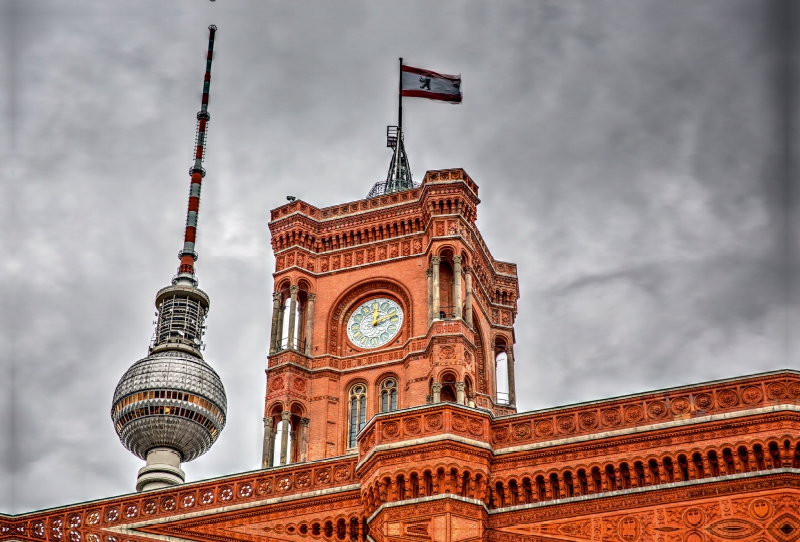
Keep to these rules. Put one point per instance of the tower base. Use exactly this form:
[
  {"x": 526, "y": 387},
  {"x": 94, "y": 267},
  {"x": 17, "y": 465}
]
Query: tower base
[{"x": 163, "y": 469}]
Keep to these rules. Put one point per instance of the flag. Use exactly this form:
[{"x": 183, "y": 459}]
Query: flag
[{"x": 419, "y": 83}]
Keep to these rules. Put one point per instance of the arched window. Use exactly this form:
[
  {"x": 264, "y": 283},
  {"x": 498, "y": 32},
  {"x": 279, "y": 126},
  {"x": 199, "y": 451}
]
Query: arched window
[
  {"x": 501, "y": 372},
  {"x": 389, "y": 395},
  {"x": 358, "y": 412}
]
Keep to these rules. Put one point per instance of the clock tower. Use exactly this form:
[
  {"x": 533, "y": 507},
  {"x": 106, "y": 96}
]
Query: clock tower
[{"x": 385, "y": 303}]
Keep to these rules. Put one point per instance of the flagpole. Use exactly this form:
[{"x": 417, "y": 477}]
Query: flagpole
[{"x": 400, "y": 101}]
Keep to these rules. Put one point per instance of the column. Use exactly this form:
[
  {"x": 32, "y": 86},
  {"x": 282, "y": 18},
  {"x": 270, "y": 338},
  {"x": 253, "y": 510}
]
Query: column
[
  {"x": 481, "y": 490},
  {"x": 468, "y": 302},
  {"x": 269, "y": 441},
  {"x": 304, "y": 439},
  {"x": 618, "y": 478},
  {"x": 787, "y": 455},
  {"x": 460, "y": 387},
  {"x": 300, "y": 328},
  {"x": 691, "y": 468},
  {"x": 737, "y": 461},
  {"x": 285, "y": 428},
  {"x": 604, "y": 482},
  {"x": 435, "y": 261},
  {"x": 707, "y": 470},
  {"x": 429, "y": 275},
  {"x": 767, "y": 457},
  {"x": 723, "y": 465},
  {"x": 662, "y": 472},
  {"x": 677, "y": 473},
  {"x": 437, "y": 392},
  {"x": 457, "y": 286},
  {"x": 471, "y": 399},
  {"x": 576, "y": 486},
  {"x": 293, "y": 445},
  {"x": 309, "y": 322},
  {"x": 512, "y": 393},
  {"x": 279, "y": 331},
  {"x": 590, "y": 485},
  {"x": 292, "y": 315},
  {"x": 276, "y": 306},
  {"x": 751, "y": 459}
]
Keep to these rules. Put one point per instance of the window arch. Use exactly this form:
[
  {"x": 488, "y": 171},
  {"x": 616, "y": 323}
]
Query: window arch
[
  {"x": 358, "y": 412},
  {"x": 389, "y": 395}
]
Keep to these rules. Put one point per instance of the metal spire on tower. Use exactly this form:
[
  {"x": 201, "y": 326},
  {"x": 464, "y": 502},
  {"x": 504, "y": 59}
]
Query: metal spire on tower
[
  {"x": 188, "y": 255},
  {"x": 399, "y": 176}
]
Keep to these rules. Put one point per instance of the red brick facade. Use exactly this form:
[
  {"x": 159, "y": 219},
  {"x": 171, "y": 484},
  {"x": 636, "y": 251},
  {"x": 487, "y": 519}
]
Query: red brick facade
[
  {"x": 332, "y": 260},
  {"x": 710, "y": 462}
]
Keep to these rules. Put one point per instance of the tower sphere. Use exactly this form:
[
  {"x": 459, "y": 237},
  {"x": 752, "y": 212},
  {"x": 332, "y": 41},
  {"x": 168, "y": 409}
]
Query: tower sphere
[{"x": 169, "y": 399}]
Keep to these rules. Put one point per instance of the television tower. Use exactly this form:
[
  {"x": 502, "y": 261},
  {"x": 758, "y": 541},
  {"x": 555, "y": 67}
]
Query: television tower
[{"x": 170, "y": 406}]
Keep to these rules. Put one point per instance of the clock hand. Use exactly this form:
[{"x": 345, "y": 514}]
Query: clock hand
[
  {"x": 382, "y": 319},
  {"x": 375, "y": 317}
]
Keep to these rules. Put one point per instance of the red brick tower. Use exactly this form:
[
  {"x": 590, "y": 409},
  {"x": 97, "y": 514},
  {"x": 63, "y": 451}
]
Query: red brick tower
[{"x": 382, "y": 304}]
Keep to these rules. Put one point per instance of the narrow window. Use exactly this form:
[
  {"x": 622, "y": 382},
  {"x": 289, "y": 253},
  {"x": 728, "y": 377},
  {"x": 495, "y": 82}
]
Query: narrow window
[
  {"x": 389, "y": 395},
  {"x": 358, "y": 411}
]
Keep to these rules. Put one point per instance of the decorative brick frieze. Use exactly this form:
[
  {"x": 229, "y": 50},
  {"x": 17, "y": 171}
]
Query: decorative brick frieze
[{"x": 645, "y": 409}]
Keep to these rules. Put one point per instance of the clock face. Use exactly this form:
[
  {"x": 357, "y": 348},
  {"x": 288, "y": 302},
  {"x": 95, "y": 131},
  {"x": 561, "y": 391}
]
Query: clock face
[{"x": 375, "y": 323}]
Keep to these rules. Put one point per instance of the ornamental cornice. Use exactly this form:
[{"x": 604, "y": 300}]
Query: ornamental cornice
[
  {"x": 674, "y": 428},
  {"x": 348, "y": 258},
  {"x": 430, "y": 453},
  {"x": 92, "y": 521},
  {"x": 645, "y": 446},
  {"x": 246, "y": 511},
  {"x": 347, "y": 211},
  {"x": 648, "y": 411},
  {"x": 442, "y": 176}
]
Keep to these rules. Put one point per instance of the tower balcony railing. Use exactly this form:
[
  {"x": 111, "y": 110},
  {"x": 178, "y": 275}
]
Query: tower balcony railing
[
  {"x": 297, "y": 344},
  {"x": 447, "y": 312}
]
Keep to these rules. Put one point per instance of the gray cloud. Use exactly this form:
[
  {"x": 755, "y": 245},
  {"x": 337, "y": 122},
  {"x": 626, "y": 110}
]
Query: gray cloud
[{"x": 632, "y": 158}]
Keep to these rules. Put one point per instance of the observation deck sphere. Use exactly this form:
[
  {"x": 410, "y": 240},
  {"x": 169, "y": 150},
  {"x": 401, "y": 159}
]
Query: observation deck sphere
[{"x": 169, "y": 399}]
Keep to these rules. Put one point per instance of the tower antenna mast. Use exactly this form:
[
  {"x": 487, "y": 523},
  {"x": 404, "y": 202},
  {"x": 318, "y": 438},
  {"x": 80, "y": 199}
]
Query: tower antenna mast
[{"x": 188, "y": 255}]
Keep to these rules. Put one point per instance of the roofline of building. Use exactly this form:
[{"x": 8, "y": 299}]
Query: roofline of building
[{"x": 659, "y": 391}]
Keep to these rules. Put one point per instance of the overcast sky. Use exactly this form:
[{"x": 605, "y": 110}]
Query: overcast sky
[{"x": 632, "y": 158}]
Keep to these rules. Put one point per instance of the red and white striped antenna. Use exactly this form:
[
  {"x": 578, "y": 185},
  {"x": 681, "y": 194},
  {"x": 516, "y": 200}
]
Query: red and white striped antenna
[{"x": 188, "y": 255}]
